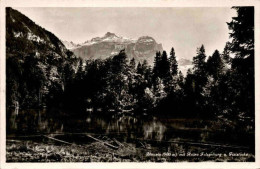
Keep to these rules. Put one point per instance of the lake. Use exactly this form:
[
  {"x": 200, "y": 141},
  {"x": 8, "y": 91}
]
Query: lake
[{"x": 126, "y": 127}]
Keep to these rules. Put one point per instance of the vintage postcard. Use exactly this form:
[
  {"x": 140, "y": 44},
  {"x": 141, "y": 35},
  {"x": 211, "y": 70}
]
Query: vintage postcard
[{"x": 153, "y": 84}]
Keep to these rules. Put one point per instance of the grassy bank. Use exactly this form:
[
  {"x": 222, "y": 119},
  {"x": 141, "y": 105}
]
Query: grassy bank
[{"x": 29, "y": 151}]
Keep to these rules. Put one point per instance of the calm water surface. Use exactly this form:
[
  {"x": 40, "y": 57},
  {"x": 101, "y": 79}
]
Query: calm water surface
[{"x": 126, "y": 127}]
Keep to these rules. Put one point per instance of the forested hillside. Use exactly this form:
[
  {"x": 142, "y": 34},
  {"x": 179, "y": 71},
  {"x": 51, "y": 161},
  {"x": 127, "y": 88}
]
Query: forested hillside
[{"x": 36, "y": 62}]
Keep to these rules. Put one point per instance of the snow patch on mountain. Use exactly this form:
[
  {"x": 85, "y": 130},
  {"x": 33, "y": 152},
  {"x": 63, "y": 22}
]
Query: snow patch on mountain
[
  {"x": 70, "y": 45},
  {"x": 146, "y": 39},
  {"x": 108, "y": 37}
]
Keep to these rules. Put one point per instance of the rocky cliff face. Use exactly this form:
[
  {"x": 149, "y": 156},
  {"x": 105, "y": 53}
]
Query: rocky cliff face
[{"x": 110, "y": 44}]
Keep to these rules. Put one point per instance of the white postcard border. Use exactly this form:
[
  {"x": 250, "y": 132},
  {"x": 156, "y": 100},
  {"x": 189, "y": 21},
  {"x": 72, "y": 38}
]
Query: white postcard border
[{"x": 128, "y": 3}]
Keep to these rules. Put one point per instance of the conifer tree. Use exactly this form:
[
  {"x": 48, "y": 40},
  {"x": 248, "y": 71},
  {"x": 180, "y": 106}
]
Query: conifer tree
[
  {"x": 119, "y": 62},
  {"x": 132, "y": 64},
  {"x": 164, "y": 68},
  {"x": 199, "y": 61},
  {"x": 157, "y": 61},
  {"x": 180, "y": 79},
  {"x": 215, "y": 65},
  {"x": 199, "y": 69},
  {"x": 242, "y": 68},
  {"x": 242, "y": 32},
  {"x": 145, "y": 65},
  {"x": 226, "y": 54},
  {"x": 173, "y": 63},
  {"x": 198, "y": 80},
  {"x": 139, "y": 68}
]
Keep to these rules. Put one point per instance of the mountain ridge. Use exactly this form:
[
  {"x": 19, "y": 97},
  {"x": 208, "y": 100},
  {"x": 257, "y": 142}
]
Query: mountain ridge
[
  {"x": 143, "y": 48},
  {"x": 25, "y": 35},
  {"x": 112, "y": 38},
  {"x": 35, "y": 57}
]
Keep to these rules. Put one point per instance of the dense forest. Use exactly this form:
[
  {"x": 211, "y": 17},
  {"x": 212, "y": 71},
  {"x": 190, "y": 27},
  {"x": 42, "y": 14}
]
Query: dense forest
[{"x": 220, "y": 86}]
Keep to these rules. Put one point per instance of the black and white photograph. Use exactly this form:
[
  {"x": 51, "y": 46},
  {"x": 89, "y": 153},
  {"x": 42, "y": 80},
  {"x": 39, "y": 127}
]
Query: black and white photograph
[{"x": 129, "y": 84}]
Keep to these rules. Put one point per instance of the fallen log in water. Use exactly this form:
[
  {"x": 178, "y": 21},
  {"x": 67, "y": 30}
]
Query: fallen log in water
[
  {"x": 15, "y": 141},
  {"x": 58, "y": 140},
  {"x": 142, "y": 144},
  {"x": 117, "y": 142},
  {"x": 105, "y": 143}
]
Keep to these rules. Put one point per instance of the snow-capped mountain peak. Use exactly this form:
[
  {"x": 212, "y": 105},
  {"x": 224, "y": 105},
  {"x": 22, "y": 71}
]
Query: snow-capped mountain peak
[
  {"x": 70, "y": 45},
  {"x": 143, "y": 48},
  {"x": 108, "y": 38}
]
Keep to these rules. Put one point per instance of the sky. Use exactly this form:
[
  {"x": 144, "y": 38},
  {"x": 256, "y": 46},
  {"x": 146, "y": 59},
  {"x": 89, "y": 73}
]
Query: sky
[{"x": 185, "y": 29}]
